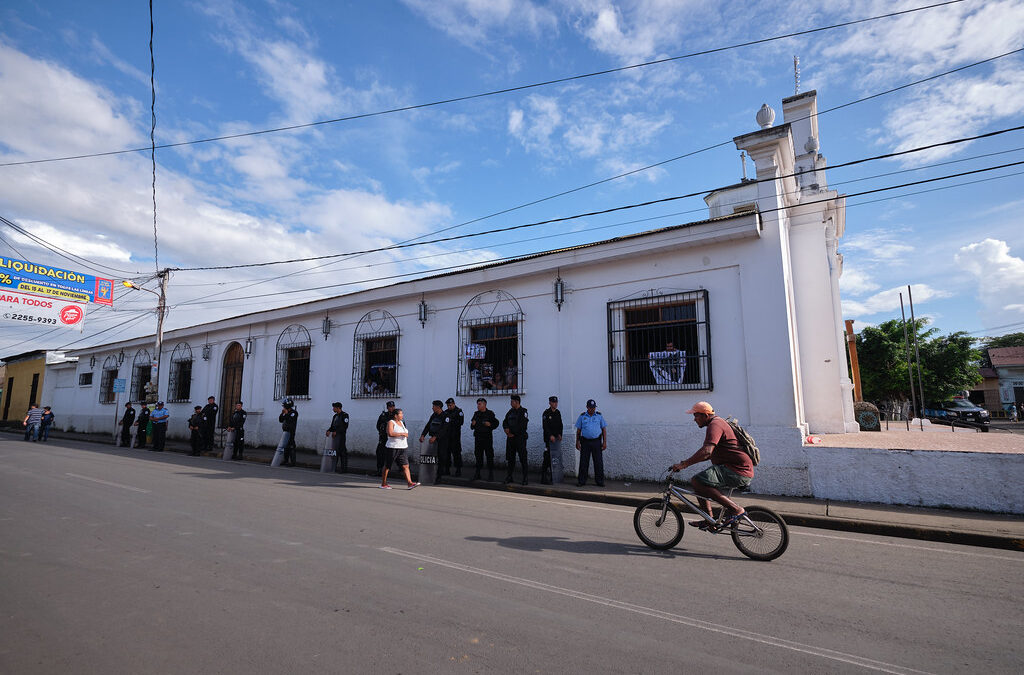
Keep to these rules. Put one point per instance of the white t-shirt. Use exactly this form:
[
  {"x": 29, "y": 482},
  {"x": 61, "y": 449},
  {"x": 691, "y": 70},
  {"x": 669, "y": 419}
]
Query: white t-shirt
[{"x": 398, "y": 441}]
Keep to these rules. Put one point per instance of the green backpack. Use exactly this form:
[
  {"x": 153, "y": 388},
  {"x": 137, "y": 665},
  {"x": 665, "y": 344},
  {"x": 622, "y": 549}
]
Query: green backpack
[{"x": 745, "y": 440}]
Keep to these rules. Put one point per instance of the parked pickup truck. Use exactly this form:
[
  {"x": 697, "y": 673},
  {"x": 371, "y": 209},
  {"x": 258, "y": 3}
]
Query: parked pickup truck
[{"x": 958, "y": 411}]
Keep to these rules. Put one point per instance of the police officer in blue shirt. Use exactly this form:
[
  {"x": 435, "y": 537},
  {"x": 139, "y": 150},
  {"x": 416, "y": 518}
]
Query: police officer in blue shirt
[
  {"x": 591, "y": 441},
  {"x": 159, "y": 417}
]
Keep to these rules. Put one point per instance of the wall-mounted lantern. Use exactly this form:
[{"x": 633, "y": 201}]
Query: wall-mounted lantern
[
  {"x": 423, "y": 313},
  {"x": 207, "y": 348},
  {"x": 92, "y": 361},
  {"x": 326, "y": 327},
  {"x": 248, "y": 347},
  {"x": 559, "y": 292},
  {"x": 120, "y": 357}
]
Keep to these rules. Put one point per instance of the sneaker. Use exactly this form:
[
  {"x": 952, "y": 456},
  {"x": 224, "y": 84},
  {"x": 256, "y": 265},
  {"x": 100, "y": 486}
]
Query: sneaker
[
  {"x": 385, "y": 487},
  {"x": 700, "y": 524},
  {"x": 414, "y": 485}
]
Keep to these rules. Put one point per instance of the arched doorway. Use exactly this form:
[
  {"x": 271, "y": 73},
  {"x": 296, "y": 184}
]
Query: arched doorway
[{"x": 231, "y": 382}]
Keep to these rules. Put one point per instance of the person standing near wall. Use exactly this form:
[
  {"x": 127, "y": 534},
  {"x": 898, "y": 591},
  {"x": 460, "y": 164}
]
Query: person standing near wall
[
  {"x": 551, "y": 421},
  {"x": 236, "y": 425},
  {"x": 337, "y": 432},
  {"x": 45, "y": 422},
  {"x": 195, "y": 430},
  {"x": 437, "y": 429},
  {"x": 515, "y": 424},
  {"x": 127, "y": 420},
  {"x": 210, "y": 411},
  {"x": 160, "y": 416},
  {"x": 141, "y": 423},
  {"x": 382, "y": 434},
  {"x": 483, "y": 425},
  {"x": 31, "y": 422},
  {"x": 591, "y": 441},
  {"x": 457, "y": 419},
  {"x": 289, "y": 419}
]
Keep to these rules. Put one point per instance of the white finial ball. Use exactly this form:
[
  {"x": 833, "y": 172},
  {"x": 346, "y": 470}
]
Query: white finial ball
[
  {"x": 765, "y": 116},
  {"x": 811, "y": 145}
]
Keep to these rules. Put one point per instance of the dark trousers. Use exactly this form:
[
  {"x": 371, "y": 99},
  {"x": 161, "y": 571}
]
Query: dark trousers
[
  {"x": 236, "y": 452},
  {"x": 196, "y": 441},
  {"x": 126, "y": 436},
  {"x": 289, "y": 452},
  {"x": 207, "y": 433},
  {"x": 591, "y": 447},
  {"x": 515, "y": 446},
  {"x": 484, "y": 447},
  {"x": 454, "y": 452},
  {"x": 444, "y": 456},
  {"x": 140, "y": 436},
  {"x": 159, "y": 434},
  {"x": 382, "y": 455},
  {"x": 341, "y": 452}
]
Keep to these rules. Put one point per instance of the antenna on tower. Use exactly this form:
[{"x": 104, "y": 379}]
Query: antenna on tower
[{"x": 796, "y": 75}]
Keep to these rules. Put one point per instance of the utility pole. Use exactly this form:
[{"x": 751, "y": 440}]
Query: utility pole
[
  {"x": 851, "y": 341},
  {"x": 153, "y": 388}
]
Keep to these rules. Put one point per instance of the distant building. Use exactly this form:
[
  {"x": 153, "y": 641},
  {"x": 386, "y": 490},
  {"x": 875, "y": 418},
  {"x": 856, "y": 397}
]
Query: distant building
[
  {"x": 24, "y": 379},
  {"x": 1008, "y": 362}
]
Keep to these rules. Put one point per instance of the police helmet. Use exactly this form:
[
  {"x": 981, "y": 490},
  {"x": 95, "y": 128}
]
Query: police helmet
[{"x": 287, "y": 403}]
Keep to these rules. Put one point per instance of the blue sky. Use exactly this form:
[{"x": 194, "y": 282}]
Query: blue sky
[{"x": 74, "y": 79}]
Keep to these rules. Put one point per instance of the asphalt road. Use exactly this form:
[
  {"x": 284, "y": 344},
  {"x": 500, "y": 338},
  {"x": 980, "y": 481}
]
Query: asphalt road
[{"x": 130, "y": 561}]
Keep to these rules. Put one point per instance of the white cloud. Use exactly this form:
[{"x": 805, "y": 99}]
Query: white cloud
[
  {"x": 999, "y": 276},
  {"x": 534, "y": 126},
  {"x": 638, "y": 29},
  {"x": 477, "y": 23},
  {"x": 857, "y": 282},
  {"x": 889, "y": 300},
  {"x": 885, "y": 246}
]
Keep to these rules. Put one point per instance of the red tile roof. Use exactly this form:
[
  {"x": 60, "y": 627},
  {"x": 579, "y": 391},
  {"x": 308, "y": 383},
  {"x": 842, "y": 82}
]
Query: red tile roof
[{"x": 1006, "y": 356}]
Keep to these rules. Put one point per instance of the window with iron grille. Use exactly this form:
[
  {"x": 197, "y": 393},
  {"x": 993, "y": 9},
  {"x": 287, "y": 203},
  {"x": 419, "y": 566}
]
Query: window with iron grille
[
  {"x": 179, "y": 377},
  {"x": 375, "y": 356},
  {"x": 491, "y": 345},
  {"x": 659, "y": 342},
  {"x": 142, "y": 368},
  {"x": 109, "y": 374},
  {"x": 85, "y": 379},
  {"x": 291, "y": 374}
]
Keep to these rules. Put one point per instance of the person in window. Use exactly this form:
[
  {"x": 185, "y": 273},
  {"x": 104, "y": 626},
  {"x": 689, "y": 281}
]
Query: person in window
[
  {"x": 483, "y": 425},
  {"x": 511, "y": 375},
  {"x": 141, "y": 423},
  {"x": 126, "y": 425},
  {"x": 369, "y": 386},
  {"x": 515, "y": 424},
  {"x": 475, "y": 382},
  {"x": 397, "y": 447},
  {"x": 45, "y": 422},
  {"x": 498, "y": 381},
  {"x": 668, "y": 366}
]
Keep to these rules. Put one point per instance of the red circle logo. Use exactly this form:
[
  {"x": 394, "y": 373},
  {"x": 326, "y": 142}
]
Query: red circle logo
[{"x": 71, "y": 315}]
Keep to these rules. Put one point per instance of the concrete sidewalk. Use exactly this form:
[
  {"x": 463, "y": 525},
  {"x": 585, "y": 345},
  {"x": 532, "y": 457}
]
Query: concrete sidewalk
[{"x": 973, "y": 528}]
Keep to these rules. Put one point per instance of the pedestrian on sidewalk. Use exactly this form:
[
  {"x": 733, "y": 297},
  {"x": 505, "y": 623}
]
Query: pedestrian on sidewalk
[
  {"x": 457, "y": 419},
  {"x": 127, "y": 420},
  {"x": 396, "y": 449},
  {"x": 45, "y": 422},
  {"x": 551, "y": 421},
  {"x": 337, "y": 432},
  {"x": 160, "y": 416},
  {"x": 31, "y": 422},
  {"x": 236, "y": 426},
  {"x": 382, "y": 434},
  {"x": 483, "y": 425},
  {"x": 515, "y": 426},
  {"x": 141, "y": 423},
  {"x": 210, "y": 411},
  {"x": 591, "y": 441},
  {"x": 195, "y": 429},
  {"x": 289, "y": 419}
]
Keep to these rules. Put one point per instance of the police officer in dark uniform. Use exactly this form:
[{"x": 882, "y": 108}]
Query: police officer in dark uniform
[
  {"x": 126, "y": 425},
  {"x": 237, "y": 424},
  {"x": 437, "y": 427},
  {"x": 142, "y": 422},
  {"x": 382, "y": 435},
  {"x": 551, "y": 421},
  {"x": 338, "y": 432},
  {"x": 195, "y": 426},
  {"x": 483, "y": 425},
  {"x": 458, "y": 418},
  {"x": 289, "y": 419},
  {"x": 210, "y": 412},
  {"x": 516, "y": 420}
]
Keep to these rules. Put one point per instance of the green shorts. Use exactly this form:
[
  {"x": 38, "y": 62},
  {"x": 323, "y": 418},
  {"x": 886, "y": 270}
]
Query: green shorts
[{"x": 721, "y": 476}]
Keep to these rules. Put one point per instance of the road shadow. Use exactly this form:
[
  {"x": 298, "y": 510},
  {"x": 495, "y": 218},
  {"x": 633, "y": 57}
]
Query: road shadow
[{"x": 539, "y": 544}]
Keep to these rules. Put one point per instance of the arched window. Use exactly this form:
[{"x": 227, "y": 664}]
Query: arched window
[
  {"x": 142, "y": 367},
  {"x": 375, "y": 356},
  {"x": 179, "y": 379},
  {"x": 107, "y": 393},
  {"x": 491, "y": 345},
  {"x": 291, "y": 373}
]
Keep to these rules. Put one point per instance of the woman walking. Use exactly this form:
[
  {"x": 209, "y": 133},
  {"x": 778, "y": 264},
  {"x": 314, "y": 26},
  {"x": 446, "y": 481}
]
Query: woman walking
[{"x": 395, "y": 449}]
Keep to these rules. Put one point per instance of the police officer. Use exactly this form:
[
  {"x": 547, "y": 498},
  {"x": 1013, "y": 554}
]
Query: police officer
[
  {"x": 195, "y": 426},
  {"x": 126, "y": 426},
  {"x": 382, "y": 435},
  {"x": 437, "y": 427},
  {"x": 160, "y": 417},
  {"x": 591, "y": 441},
  {"x": 236, "y": 425},
  {"x": 210, "y": 413},
  {"x": 516, "y": 420},
  {"x": 338, "y": 432},
  {"x": 289, "y": 419},
  {"x": 483, "y": 425},
  {"x": 458, "y": 418},
  {"x": 551, "y": 421},
  {"x": 141, "y": 423}
]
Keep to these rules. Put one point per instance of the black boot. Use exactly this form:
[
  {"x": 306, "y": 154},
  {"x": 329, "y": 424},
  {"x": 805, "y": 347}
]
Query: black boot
[
  {"x": 476, "y": 476},
  {"x": 490, "y": 475},
  {"x": 508, "y": 479},
  {"x": 458, "y": 472}
]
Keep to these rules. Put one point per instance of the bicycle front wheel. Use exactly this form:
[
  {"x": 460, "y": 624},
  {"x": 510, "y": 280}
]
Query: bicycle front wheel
[
  {"x": 764, "y": 537},
  {"x": 658, "y": 524}
]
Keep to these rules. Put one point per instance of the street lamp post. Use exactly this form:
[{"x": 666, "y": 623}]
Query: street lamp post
[{"x": 161, "y": 310}]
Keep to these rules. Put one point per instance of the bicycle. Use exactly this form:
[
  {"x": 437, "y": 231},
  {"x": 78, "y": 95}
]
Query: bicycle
[{"x": 760, "y": 533}]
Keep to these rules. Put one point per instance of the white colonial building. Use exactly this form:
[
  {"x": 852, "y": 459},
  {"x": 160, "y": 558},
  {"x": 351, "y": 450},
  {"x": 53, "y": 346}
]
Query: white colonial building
[{"x": 741, "y": 309}]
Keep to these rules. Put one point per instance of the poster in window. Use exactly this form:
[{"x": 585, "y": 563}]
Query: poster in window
[
  {"x": 476, "y": 351},
  {"x": 667, "y": 367}
]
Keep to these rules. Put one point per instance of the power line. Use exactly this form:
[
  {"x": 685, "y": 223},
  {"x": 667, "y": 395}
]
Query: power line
[
  {"x": 63, "y": 253},
  {"x": 590, "y": 213},
  {"x": 152, "y": 134},
  {"x": 496, "y": 92}
]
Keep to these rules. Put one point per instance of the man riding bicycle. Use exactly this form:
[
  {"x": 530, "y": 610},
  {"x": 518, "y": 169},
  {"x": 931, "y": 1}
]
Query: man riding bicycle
[{"x": 731, "y": 467}]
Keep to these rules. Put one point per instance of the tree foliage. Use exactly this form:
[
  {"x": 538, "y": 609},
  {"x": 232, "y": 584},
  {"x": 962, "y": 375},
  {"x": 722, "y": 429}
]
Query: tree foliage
[
  {"x": 949, "y": 363},
  {"x": 1008, "y": 340}
]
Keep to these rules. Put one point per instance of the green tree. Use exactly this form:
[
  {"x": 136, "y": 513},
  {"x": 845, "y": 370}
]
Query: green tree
[{"x": 949, "y": 363}]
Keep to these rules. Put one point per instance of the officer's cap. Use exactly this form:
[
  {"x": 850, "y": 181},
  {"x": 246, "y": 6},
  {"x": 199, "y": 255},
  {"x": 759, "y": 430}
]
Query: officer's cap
[
  {"x": 159, "y": 402},
  {"x": 437, "y": 402},
  {"x": 450, "y": 400},
  {"x": 336, "y": 404},
  {"x": 553, "y": 399},
  {"x": 199, "y": 407},
  {"x": 128, "y": 404},
  {"x": 481, "y": 400},
  {"x": 390, "y": 404},
  {"x": 210, "y": 398},
  {"x": 238, "y": 403},
  {"x": 591, "y": 403},
  {"x": 515, "y": 397}
]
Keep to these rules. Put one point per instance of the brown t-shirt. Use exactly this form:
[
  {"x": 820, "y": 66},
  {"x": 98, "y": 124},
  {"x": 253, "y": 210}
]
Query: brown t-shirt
[{"x": 727, "y": 449}]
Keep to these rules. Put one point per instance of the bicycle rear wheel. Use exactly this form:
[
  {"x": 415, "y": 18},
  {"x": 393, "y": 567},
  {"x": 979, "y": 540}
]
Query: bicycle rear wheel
[
  {"x": 766, "y": 539},
  {"x": 658, "y": 525}
]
